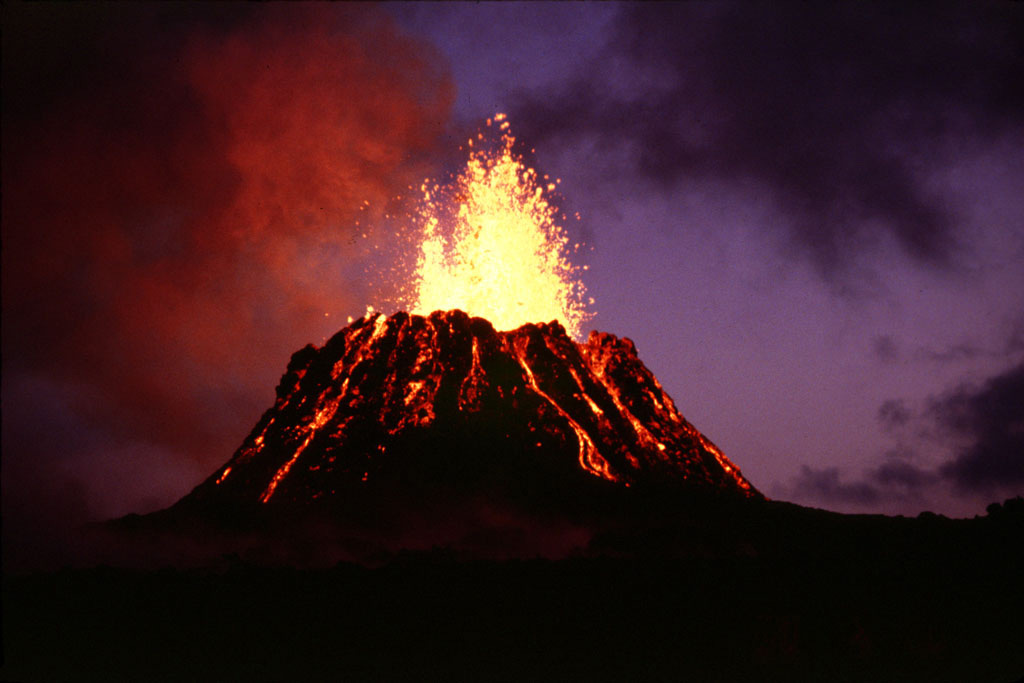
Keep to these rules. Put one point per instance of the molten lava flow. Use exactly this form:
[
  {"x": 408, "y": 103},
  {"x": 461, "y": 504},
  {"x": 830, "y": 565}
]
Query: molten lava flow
[
  {"x": 590, "y": 458},
  {"x": 502, "y": 255},
  {"x": 323, "y": 415},
  {"x": 387, "y": 393},
  {"x": 726, "y": 464}
]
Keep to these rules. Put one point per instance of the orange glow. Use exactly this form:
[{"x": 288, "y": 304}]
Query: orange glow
[
  {"x": 411, "y": 372},
  {"x": 726, "y": 464},
  {"x": 590, "y": 458},
  {"x": 500, "y": 254},
  {"x": 323, "y": 415},
  {"x": 469, "y": 390},
  {"x": 643, "y": 434}
]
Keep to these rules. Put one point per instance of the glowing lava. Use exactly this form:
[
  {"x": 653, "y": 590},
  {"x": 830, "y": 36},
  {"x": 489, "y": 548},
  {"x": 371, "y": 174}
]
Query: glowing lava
[
  {"x": 500, "y": 255},
  {"x": 487, "y": 375},
  {"x": 461, "y": 404}
]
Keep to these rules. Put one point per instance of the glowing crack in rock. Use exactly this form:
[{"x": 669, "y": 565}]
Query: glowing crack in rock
[
  {"x": 501, "y": 254},
  {"x": 470, "y": 387},
  {"x": 322, "y": 417},
  {"x": 726, "y": 464},
  {"x": 384, "y": 393},
  {"x": 589, "y": 457}
]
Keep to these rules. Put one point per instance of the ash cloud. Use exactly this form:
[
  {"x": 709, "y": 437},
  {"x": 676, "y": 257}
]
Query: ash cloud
[
  {"x": 980, "y": 429},
  {"x": 898, "y": 478},
  {"x": 988, "y": 422},
  {"x": 181, "y": 185},
  {"x": 901, "y": 473},
  {"x": 824, "y": 485},
  {"x": 834, "y": 111},
  {"x": 894, "y": 413}
]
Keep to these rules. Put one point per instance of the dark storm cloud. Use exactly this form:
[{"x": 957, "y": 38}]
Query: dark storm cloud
[
  {"x": 894, "y": 413},
  {"x": 180, "y": 185},
  {"x": 985, "y": 426},
  {"x": 901, "y": 473},
  {"x": 824, "y": 485},
  {"x": 835, "y": 112},
  {"x": 989, "y": 422},
  {"x": 897, "y": 478}
]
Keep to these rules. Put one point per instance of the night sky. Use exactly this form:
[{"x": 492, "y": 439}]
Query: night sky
[{"x": 809, "y": 218}]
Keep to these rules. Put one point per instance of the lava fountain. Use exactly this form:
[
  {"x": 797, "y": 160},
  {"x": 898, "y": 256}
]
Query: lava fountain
[{"x": 491, "y": 244}]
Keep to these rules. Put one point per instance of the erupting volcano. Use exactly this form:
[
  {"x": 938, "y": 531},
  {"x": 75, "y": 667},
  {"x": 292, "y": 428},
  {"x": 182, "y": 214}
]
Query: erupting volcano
[{"x": 480, "y": 394}]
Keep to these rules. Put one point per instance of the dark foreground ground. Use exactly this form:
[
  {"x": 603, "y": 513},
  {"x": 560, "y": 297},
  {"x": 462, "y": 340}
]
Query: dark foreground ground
[{"x": 825, "y": 599}]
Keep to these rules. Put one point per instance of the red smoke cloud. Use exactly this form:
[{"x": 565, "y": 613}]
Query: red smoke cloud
[{"x": 180, "y": 193}]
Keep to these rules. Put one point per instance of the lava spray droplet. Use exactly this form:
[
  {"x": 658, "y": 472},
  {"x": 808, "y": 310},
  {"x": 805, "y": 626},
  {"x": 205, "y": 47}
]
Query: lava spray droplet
[{"x": 491, "y": 245}]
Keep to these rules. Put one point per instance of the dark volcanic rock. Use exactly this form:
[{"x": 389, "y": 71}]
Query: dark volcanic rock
[{"x": 446, "y": 401}]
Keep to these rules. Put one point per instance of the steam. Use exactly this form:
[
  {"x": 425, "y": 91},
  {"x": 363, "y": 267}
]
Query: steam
[{"x": 180, "y": 186}]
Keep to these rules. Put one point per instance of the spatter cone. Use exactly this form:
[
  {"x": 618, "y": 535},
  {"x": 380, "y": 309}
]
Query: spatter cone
[{"x": 445, "y": 400}]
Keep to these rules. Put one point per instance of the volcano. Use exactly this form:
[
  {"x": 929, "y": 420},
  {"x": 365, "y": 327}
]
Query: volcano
[
  {"x": 430, "y": 498},
  {"x": 438, "y": 417},
  {"x": 446, "y": 401}
]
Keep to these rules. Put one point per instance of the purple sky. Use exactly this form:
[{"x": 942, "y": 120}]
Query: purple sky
[{"x": 808, "y": 218}]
